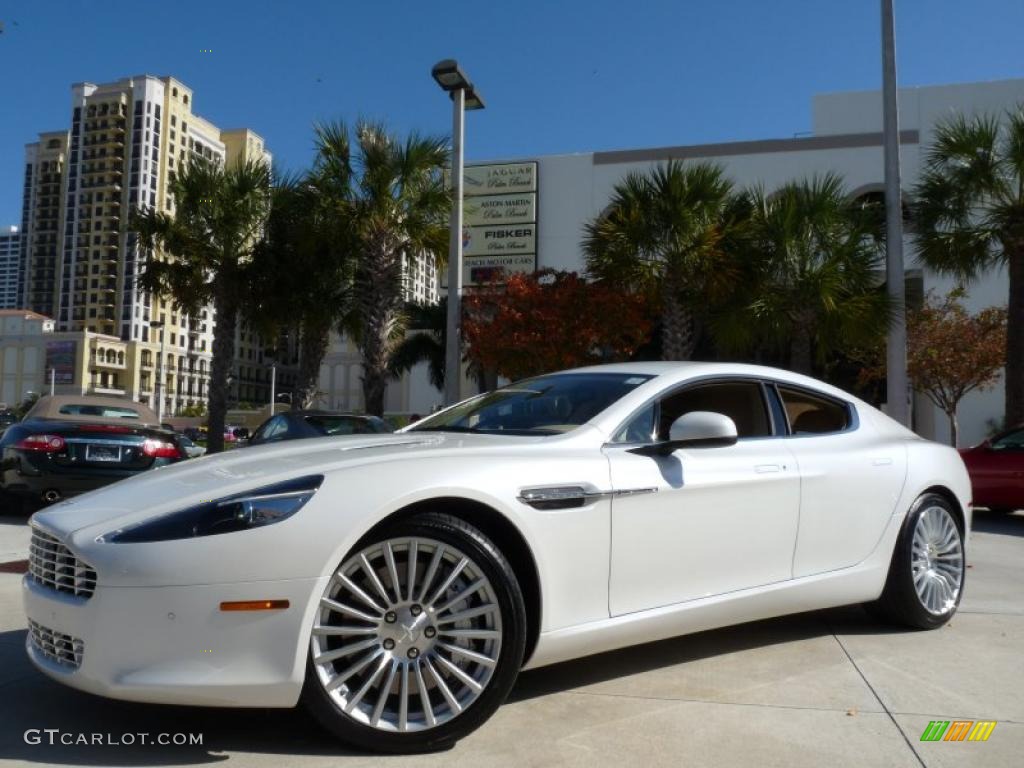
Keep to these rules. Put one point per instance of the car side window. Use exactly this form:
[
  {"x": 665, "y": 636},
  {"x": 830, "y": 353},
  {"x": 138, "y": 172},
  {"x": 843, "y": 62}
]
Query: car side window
[
  {"x": 276, "y": 429},
  {"x": 741, "y": 401},
  {"x": 1012, "y": 441},
  {"x": 813, "y": 415}
]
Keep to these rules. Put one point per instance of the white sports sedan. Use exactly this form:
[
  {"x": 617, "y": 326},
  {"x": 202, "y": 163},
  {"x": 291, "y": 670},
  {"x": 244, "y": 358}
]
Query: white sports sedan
[{"x": 397, "y": 583}]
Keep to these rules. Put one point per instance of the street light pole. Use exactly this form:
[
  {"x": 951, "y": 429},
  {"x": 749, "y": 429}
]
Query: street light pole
[
  {"x": 464, "y": 96},
  {"x": 158, "y": 389},
  {"x": 453, "y": 349},
  {"x": 273, "y": 384},
  {"x": 896, "y": 347}
]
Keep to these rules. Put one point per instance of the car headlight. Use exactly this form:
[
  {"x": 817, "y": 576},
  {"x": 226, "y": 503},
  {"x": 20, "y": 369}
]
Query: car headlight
[{"x": 238, "y": 512}]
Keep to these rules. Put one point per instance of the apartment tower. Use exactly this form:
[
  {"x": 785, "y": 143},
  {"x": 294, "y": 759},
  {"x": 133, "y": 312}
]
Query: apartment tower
[{"x": 126, "y": 141}]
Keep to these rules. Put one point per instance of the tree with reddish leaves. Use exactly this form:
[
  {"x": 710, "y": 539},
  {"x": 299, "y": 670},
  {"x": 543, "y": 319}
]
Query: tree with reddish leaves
[
  {"x": 549, "y": 321},
  {"x": 951, "y": 352}
]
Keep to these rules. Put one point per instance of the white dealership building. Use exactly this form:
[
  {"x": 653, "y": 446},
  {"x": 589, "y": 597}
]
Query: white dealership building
[{"x": 572, "y": 189}]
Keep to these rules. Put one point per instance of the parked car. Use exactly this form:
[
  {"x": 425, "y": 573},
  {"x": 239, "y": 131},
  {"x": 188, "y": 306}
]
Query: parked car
[
  {"x": 191, "y": 449},
  {"x": 395, "y": 584},
  {"x": 996, "y": 467},
  {"x": 69, "y": 444},
  {"x": 7, "y": 417},
  {"x": 296, "y": 425}
]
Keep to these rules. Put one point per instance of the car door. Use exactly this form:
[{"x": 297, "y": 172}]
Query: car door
[
  {"x": 997, "y": 472},
  {"x": 701, "y": 521},
  {"x": 851, "y": 478}
]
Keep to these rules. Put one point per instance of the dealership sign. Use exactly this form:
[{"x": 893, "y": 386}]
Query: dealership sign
[
  {"x": 499, "y": 179},
  {"x": 499, "y": 235},
  {"x": 484, "y": 269},
  {"x": 501, "y": 209},
  {"x": 491, "y": 241}
]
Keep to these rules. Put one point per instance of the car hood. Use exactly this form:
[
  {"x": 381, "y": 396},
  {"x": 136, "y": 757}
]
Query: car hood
[{"x": 180, "y": 485}]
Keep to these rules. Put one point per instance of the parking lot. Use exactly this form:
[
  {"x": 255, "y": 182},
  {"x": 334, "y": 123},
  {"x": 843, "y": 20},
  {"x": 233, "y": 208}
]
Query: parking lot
[{"x": 827, "y": 688}]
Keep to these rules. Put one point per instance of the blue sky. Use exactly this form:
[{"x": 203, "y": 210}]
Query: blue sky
[{"x": 558, "y": 76}]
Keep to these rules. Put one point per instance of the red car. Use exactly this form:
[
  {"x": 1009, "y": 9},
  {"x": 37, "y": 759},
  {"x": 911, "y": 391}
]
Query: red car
[{"x": 996, "y": 467}]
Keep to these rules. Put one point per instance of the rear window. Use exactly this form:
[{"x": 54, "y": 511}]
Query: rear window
[
  {"x": 346, "y": 425},
  {"x": 812, "y": 415},
  {"x": 105, "y": 411}
]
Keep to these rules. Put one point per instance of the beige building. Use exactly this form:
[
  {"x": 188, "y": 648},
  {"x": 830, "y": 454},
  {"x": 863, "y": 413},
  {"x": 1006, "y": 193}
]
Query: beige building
[
  {"x": 127, "y": 140},
  {"x": 35, "y": 356}
]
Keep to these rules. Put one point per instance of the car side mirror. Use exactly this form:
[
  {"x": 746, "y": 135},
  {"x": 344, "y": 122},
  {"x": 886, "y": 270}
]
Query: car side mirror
[{"x": 696, "y": 429}]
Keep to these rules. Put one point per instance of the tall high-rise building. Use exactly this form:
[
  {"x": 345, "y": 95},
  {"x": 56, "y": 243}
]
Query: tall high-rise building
[
  {"x": 126, "y": 141},
  {"x": 10, "y": 268}
]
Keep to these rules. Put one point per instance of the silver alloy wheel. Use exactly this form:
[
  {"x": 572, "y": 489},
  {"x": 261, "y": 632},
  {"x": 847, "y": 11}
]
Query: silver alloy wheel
[
  {"x": 937, "y": 560},
  {"x": 407, "y": 635}
]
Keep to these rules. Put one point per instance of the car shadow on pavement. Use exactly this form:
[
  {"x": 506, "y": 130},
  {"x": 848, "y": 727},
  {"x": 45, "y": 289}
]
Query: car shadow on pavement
[
  {"x": 43, "y": 704},
  {"x": 690, "y": 648},
  {"x": 998, "y": 523}
]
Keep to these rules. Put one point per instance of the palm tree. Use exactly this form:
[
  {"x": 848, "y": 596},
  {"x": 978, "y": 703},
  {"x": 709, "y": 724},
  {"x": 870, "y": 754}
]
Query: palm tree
[
  {"x": 301, "y": 276},
  {"x": 968, "y": 212},
  {"x": 397, "y": 205},
  {"x": 425, "y": 344},
  {"x": 666, "y": 232},
  {"x": 814, "y": 267},
  {"x": 199, "y": 255}
]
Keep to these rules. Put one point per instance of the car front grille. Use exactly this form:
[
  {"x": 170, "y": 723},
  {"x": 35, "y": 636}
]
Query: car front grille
[
  {"x": 53, "y": 565},
  {"x": 56, "y": 646}
]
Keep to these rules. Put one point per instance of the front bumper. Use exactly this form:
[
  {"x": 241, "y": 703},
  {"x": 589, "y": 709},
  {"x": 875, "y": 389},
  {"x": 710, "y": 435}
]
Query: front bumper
[{"x": 173, "y": 645}]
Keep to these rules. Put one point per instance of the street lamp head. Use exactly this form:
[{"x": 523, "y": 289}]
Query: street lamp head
[
  {"x": 473, "y": 99},
  {"x": 450, "y": 76},
  {"x": 156, "y": 324}
]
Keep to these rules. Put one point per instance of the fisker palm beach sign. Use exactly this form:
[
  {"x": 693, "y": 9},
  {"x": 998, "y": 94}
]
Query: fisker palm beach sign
[{"x": 500, "y": 221}]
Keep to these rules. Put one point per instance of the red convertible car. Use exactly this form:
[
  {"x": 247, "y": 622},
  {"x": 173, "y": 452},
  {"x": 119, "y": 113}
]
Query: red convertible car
[{"x": 996, "y": 467}]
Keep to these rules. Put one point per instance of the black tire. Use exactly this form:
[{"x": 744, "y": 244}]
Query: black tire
[
  {"x": 491, "y": 563},
  {"x": 899, "y": 602}
]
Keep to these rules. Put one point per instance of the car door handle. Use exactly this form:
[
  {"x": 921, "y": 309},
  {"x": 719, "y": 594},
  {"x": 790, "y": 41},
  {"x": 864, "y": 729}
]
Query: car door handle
[
  {"x": 765, "y": 468},
  {"x": 881, "y": 461}
]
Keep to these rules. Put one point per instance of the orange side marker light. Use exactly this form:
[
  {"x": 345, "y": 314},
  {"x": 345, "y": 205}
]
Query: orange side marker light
[{"x": 254, "y": 605}]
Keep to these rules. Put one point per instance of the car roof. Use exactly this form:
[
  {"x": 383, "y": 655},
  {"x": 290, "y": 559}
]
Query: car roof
[{"x": 48, "y": 407}]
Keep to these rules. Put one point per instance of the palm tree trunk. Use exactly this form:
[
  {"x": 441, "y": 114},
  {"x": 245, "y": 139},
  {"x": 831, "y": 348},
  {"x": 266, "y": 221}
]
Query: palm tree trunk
[
  {"x": 677, "y": 326},
  {"x": 800, "y": 351},
  {"x": 375, "y": 380},
  {"x": 312, "y": 348},
  {"x": 380, "y": 303},
  {"x": 220, "y": 367},
  {"x": 1015, "y": 340}
]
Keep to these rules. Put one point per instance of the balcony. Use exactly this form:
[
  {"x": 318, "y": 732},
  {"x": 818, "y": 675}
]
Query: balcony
[{"x": 100, "y": 362}]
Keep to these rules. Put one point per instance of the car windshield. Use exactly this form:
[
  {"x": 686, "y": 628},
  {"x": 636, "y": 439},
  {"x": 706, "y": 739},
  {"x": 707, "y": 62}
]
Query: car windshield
[
  {"x": 546, "y": 405},
  {"x": 1012, "y": 441},
  {"x": 104, "y": 411}
]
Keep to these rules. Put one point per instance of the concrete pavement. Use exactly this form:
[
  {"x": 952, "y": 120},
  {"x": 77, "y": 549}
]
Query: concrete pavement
[{"x": 827, "y": 688}]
